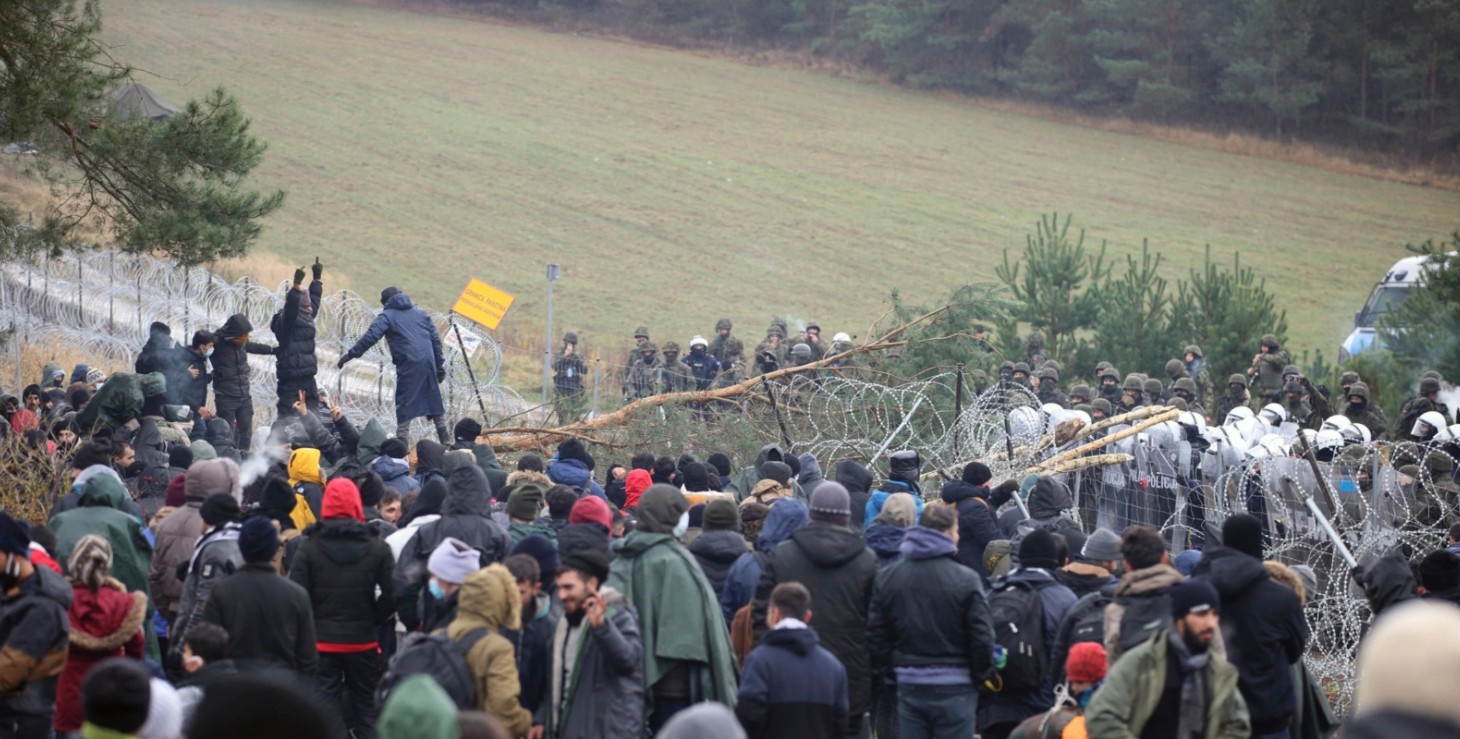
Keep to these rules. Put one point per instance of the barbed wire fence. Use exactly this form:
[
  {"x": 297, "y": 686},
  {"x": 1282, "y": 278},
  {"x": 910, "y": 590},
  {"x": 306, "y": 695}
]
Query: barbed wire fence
[
  {"x": 1182, "y": 483},
  {"x": 102, "y": 303}
]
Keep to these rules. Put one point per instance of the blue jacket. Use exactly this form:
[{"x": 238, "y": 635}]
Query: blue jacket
[
  {"x": 885, "y": 540},
  {"x": 415, "y": 348},
  {"x": 792, "y": 687},
  {"x": 574, "y": 474},
  {"x": 879, "y": 497},
  {"x": 395, "y": 475},
  {"x": 786, "y": 517}
]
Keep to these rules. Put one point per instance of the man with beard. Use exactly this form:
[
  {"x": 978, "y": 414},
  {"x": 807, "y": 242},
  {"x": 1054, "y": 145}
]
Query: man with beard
[
  {"x": 597, "y": 673},
  {"x": 1173, "y": 686}
]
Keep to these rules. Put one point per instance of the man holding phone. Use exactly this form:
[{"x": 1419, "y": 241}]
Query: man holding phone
[{"x": 597, "y": 673}]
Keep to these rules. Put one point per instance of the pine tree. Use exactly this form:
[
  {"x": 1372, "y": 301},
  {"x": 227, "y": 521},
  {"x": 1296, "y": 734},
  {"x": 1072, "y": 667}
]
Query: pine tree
[
  {"x": 1226, "y": 312},
  {"x": 1423, "y": 333},
  {"x": 1134, "y": 329},
  {"x": 179, "y": 188},
  {"x": 1056, "y": 293}
]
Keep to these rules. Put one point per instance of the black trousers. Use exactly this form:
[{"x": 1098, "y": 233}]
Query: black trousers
[
  {"x": 238, "y": 412},
  {"x": 349, "y": 681}
]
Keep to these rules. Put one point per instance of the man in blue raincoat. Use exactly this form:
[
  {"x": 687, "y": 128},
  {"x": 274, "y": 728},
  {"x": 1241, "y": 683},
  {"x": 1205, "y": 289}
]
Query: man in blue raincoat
[{"x": 420, "y": 368}]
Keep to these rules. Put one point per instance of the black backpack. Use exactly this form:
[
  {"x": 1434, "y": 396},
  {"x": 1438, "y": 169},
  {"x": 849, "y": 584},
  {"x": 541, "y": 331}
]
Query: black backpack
[
  {"x": 1019, "y": 628},
  {"x": 1142, "y": 617},
  {"x": 439, "y": 657},
  {"x": 1090, "y": 626}
]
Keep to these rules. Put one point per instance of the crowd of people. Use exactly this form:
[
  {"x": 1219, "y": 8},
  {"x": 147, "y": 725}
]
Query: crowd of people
[{"x": 190, "y": 580}]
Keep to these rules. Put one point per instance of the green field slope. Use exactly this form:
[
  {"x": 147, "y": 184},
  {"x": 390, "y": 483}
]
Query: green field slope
[{"x": 675, "y": 189}]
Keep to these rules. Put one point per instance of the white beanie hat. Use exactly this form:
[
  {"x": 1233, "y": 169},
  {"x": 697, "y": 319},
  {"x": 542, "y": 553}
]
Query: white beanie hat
[
  {"x": 1407, "y": 662},
  {"x": 453, "y": 560}
]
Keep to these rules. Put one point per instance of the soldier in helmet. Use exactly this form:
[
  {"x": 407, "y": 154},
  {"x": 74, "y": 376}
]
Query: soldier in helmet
[
  {"x": 1360, "y": 409},
  {"x": 1110, "y": 384},
  {"x": 1267, "y": 367},
  {"x": 702, "y": 365},
  {"x": 732, "y": 370},
  {"x": 1101, "y": 409},
  {"x": 1427, "y": 400},
  {"x": 724, "y": 344},
  {"x": 1080, "y": 395},
  {"x": 1235, "y": 397},
  {"x": 811, "y": 337},
  {"x": 1021, "y": 373},
  {"x": 1132, "y": 394},
  {"x": 1049, "y": 388},
  {"x": 1184, "y": 389},
  {"x": 1175, "y": 370},
  {"x": 1300, "y": 410},
  {"x": 775, "y": 344},
  {"x": 569, "y": 369},
  {"x": 1196, "y": 369},
  {"x": 1346, "y": 379},
  {"x": 674, "y": 376},
  {"x": 631, "y": 357},
  {"x": 643, "y": 379},
  {"x": 1155, "y": 391}
]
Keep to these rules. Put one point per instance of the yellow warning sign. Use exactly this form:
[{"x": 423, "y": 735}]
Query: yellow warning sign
[{"x": 482, "y": 303}]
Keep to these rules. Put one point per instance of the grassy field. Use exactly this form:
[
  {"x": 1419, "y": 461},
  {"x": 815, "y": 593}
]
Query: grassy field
[{"x": 676, "y": 188}]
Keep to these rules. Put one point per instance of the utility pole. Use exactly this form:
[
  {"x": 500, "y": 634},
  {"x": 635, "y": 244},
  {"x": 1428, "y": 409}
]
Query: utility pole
[{"x": 554, "y": 272}]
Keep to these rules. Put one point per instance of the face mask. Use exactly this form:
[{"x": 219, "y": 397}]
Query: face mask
[
  {"x": 437, "y": 592},
  {"x": 649, "y": 359},
  {"x": 682, "y": 526},
  {"x": 208, "y": 353}
]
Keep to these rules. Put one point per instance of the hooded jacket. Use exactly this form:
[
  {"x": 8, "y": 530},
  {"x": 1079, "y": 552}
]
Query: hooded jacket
[
  {"x": 396, "y": 474},
  {"x": 293, "y": 328},
  {"x": 741, "y": 581},
  {"x": 347, "y": 572},
  {"x": 811, "y": 477},
  {"x": 33, "y": 634},
  {"x": 679, "y": 621},
  {"x": 104, "y": 623},
  {"x": 466, "y": 514},
  {"x": 977, "y": 523},
  {"x": 223, "y": 440},
  {"x": 307, "y": 480},
  {"x": 635, "y": 483},
  {"x": 715, "y": 552},
  {"x": 575, "y": 474},
  {"x": 415, "y": 349},
  {"x": 858, "y": 481},
  {"x": 603, "y": 695},
  {"x": 743, "y": 482},
  {"x": 489, "y": 600},
  {"x": 879, "y": 497},
  {"x": 101, "y": 514},
  {"x": 929, "y": 611},
  {"x": 230, "y": 360},
  {"x": 838, "y": 569},
  {"x": 1368, "y": 414},
  {"x": 1148, "y": 582},
  {"x": 215, "y": 558},
  {"x": 1264, "y": 630},
  {"x": 793, "y": 688},
  {"x": 885, "y": 541},
  {"x": 1133, "y": 687},
  {"x": 418, "y": 709},
  {"x": 177, "y": 535}
]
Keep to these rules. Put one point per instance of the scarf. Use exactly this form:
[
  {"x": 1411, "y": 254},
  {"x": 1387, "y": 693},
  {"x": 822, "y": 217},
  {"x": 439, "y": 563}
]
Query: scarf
[{"x": 1192, "y": 724}]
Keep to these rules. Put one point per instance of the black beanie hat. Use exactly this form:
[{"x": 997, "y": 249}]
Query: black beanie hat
[
  {"x": 560, "y": 501},
  {"x": 258, "y": 541},
  {"x": 117, "y": 695},
  {"x": 778, "y": 471},
  {"x": 588, "y": 562},
  {"x": 394, "y": 448},
  {"x": 467, "y": 429},
  {"x": 977, "y": 474},
  {"x": 1039, "y": 550},
  {"x": 388, "y": 293},
  {"x": 696, "y": 477},
  {"x": 271, "y": 703},
  {"x": 14, "y": 536},
  {"x": 218, "y": 509},
  {"x": 179, "y": 456},
  {"x": 371, "y": 487},
  {"x": 721, "y": 463},
  {"x": 1439, "y": 571},
  {"x": 1243, "y": 532}
]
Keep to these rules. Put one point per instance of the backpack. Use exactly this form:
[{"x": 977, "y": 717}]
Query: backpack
[
  {"x": 1142, "y": 617},
  {"x": 439, "y": 657},
  {"x": 998, "y": 559},
  {"x": 1018, "y": 615},
  {"x": 1090, "y": 626}
]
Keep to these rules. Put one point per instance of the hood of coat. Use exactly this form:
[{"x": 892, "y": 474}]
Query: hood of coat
[
  {"x": 768, "y": 453},
  {"x": 467, "y": 492},
  {"x": 1231, "y": 572},
  {"x": 786, "y": 517},
  {"x": 853, "y": 476},
  {"x": 103, "y": 491},
  {"x": 304, "y": 467},
  {"x": 660, "y": 508},
  {"x": 1148, "y": 580},
  {"x": 343, "y": 541},
  {"x": 430, "y": 457},
  {"x": 957, "y": 491},
  {"x": 800, "y": 642},
  {"x": 1049, "y": 498},
  {"x": 371, "y": 437},
  {"x": 570, "y": 472},
  {"x": 885, "y": 539},
  {"x": 810, "y": 471},
  {"x": 925, "y": 543},
  {"x": 237, "y": 325},
  {"x": 828, "y": 545},
  {"x": 428, "y": 503},
  {"x": 419, "y": 708},
  {"x": 723, "y": 547},
  {"x": 105, "y": 619},
  {"x": 399, "y": 301},
  {"x": 489, "y": 597},
  {"x": 702, "y": 720},
  {"x": 388, "y": 468},
  {"x": 342, "y": 500}
]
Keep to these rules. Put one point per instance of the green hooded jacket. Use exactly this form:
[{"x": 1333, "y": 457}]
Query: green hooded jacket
[
  {"x": 680, "y": 618},
  {"x": 1133, "y": 687},
  {"x": 418, "y": 709}
]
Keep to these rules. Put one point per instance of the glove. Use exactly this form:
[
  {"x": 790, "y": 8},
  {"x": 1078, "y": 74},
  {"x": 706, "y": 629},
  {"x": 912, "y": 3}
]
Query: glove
[
  {"x": 1002, "y": 494},
  {"x": 346, "y": 357},
  {"x": 440, "y": 375},
  {"x": 298, "y": 276},
  {"x": 317, "y": 268}
]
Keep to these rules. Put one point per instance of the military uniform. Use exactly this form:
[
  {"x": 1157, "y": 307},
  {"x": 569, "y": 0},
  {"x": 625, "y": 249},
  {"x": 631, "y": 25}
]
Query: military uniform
[
  {"x": 643, "y": 376},
  {"x": 1196, "y": 369},
  {"x": 631, "y": 355},
  {"x": 1269, "y": 372},
  {"x": 775, "y": 345},
  {"x": 1049, "y": 388},
  {"x": 1235, "y": 397},
  {"x": 1184, "y": 390},
  {"x": 1368, "y": 414},
  {"x": 725, "y": 344},
  {"x": 674, "y": 376},
  {"x": 569, "y": 371}
]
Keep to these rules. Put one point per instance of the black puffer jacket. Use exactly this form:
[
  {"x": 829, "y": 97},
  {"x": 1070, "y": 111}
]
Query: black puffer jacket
[
  {"x": 857, "y": 480},
  {"x": 466, "y": 514},
  {"x": 716, "y": 551},
  {"x": 1265, "y": 633},
  {"x": 294, "y": 330},
  {"x": 230, "y": 359},
  {"x": 929, "y": 611},
  {"x": 977, "y": 524},
  {"x": 838, "y": 569},
  {"x": 268, "y": 618},
  {"x": 342, "y": 563}
]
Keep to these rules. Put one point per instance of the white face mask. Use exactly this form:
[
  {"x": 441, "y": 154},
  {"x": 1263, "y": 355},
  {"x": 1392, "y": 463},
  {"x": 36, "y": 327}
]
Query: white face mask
[{"x": 682, "y": 526}]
